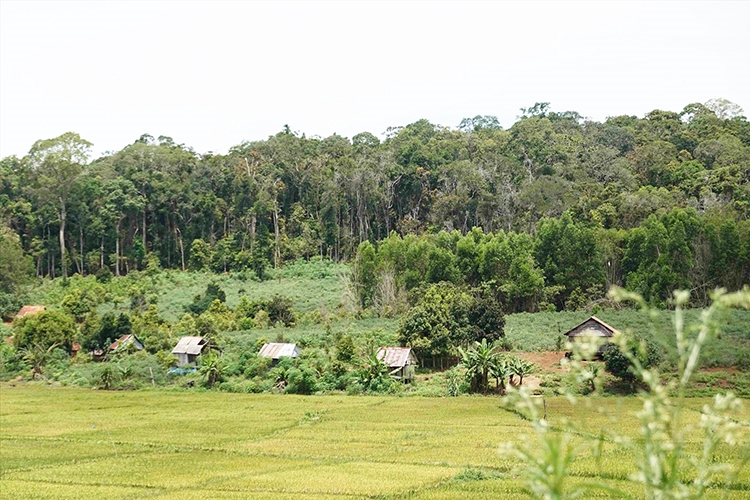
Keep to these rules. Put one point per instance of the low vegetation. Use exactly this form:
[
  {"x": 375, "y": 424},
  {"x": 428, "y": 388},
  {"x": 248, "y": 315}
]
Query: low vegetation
[
  {"x": 57, "y": 443},
  {"x": 336, "y": 336}
]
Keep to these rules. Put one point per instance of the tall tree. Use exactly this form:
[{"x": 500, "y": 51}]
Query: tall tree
[{"x": 58, "y": 164}]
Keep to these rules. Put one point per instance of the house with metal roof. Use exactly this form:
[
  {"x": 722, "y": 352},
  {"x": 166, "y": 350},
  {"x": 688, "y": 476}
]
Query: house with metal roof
[
  {"x": 276, "y": 350},
  {"x": 28, "y": 310},
  {"x": 592, "y": 327},
  {"x": 124, "y": 341},
  {"x": 188, "y": 349},
  {"x": 401, "y": 361}
]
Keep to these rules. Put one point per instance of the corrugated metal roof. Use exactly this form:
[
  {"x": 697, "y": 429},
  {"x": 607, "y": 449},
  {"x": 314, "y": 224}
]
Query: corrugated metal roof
[
  {"x": 124, "y": 340},
  {"x": 608, "y": 330},
  {"x": 189, "y": 345},
  {"x": 276, "y": 350},
  {"x": 30, "y": 310},
  {"x": 395, "y": 357}
]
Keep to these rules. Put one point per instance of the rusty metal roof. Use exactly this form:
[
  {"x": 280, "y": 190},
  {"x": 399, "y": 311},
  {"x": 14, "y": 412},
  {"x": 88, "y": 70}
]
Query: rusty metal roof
[
  {"x": 189, "y": 345},
  {"x": 124, "y": 340},
  {"x": 30, "y": 310},
  {"x": 396, "y": 357},
  {"x": 276, "y": 350}
]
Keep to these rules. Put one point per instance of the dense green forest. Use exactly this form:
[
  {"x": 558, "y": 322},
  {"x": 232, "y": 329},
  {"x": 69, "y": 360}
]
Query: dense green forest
[{"x": 547, "y": 214}]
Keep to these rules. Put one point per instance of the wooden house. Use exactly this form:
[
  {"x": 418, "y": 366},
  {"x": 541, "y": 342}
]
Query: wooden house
[
  {"x": 592, "y": 327},
  {"x": 400, "y": 360},
  {"x": 188, "y": 349},
  {"x": 276, "y": 350}
]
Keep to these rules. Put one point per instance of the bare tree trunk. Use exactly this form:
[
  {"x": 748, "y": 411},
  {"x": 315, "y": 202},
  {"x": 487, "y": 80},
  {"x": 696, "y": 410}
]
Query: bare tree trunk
[
  {"x": 143, "y": 223},
  {"x": 178, "y": 235},
  {"x": 253, "y": 222},
  {"x": 80, "y": 229},
  {"x": 169, "y": 248},
  {"x": 277, "y": 250},
  {"x": 63, "y": 216},
  {"x": 117, "y": 248}
]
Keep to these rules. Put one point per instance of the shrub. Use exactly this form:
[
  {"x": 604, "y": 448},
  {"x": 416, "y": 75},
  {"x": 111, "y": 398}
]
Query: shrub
[
  {"x": 619, "y": 365},
  {"x": 9, "y": 305},
  {"x": 104, "y": 275},
  {"x": 279, "y": 309},
  {"x": 201, "y": 303},
  {"x": 44, "y": 329},
  {"x": 301, "y": 380}
]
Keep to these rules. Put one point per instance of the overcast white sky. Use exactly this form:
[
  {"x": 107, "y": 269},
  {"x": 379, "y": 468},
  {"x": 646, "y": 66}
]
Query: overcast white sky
[{"x": 213, "y": 74}]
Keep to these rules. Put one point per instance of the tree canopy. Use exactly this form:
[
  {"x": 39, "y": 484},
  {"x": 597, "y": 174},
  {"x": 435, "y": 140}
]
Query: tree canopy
[{"x": 558, "y": 208}]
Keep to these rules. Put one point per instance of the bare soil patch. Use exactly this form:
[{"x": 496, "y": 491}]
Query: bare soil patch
[{"x": 547, "y": 360}]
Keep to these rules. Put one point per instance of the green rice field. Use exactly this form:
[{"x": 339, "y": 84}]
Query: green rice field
[{"x": 78, "y": 443}]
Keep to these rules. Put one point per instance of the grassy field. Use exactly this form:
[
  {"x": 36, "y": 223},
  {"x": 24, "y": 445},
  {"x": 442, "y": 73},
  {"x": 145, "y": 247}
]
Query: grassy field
[
  {"x": 310, "y": 286},
  {"x": 74, "y": 443}
]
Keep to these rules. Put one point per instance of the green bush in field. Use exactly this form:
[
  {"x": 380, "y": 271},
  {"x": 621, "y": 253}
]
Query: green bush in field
[
  {"x": 104, "y": 275},
  {"x": 201, "y": 303},
  {"x": 44, "y": 329},
  {"x": 10, "y": 303},
  {"x": 618, "y": 363}
]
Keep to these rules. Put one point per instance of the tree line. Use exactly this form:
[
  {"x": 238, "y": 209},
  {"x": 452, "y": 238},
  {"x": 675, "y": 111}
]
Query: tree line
[{"x": 650, "y": 203}]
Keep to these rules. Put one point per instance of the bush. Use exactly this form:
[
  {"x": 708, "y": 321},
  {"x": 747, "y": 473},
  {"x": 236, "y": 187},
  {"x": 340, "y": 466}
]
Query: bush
[
  {"x": 201, "y": 303},
  {"x": 104, "y": 275},
  {"x": 44, "y": 329},
  {"x": 279, "y": 309},
  {"x": 11, "y": 362},
  {"x": 620, "y": 366},
  {"x": 301, "y": 380},
  {"x": 9, "y": 305}
]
